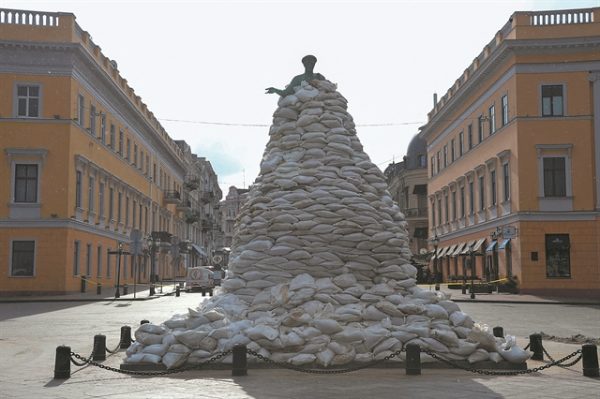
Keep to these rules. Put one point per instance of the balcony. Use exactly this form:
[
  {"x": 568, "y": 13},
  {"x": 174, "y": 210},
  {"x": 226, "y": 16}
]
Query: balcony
[
  {"x": 192, "y": 182},
  {"x": 184, "y": 205},
  {"x": 192, "y": 217},
  {"x": 206, "y": 224},
  {"x": 172, "y": 197}
]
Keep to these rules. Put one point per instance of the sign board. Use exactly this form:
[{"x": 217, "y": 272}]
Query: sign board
[
  {"x": 509, "y": 231},
  {"x": 136, "y": 242}
]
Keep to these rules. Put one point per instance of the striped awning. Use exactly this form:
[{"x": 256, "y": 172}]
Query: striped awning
[
  {"x": 442, "y": 252},
  {"x": 467, "y": 247},
  {"x": 504, "y": 243},
  {"x": 450, "y": 251},
  {"x": 478, "y": 245},
  {"x": 491, "y": 246},
  {"x": 459, "y": 249}
]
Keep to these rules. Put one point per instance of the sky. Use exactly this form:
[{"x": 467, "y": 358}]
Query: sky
[{"x": 202, "y": 67}]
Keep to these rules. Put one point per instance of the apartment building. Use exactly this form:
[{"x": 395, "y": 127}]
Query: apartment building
[
  {"x": 230, "y": 208},
  {"x": 88, "y": 168},
  {"x": 407, "y": 181},
  {"x": 514, "y": 151}
]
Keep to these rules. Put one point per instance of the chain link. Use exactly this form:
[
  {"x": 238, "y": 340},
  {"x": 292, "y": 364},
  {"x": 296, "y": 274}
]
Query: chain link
[
  {"x": 322, "y": 371},
  {"x": 149, "y": 373},
  {"x": 84, "y": 360},
  {"x": 515, "y": 372}
]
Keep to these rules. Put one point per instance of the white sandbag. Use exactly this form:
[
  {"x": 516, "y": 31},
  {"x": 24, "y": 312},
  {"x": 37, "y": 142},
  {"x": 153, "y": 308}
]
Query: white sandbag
[
  {"x": 511, "y": 352},
  {"x": 143, "y": 358},
  {"x": 345, "y": 280},
  {"x": 479, "y": 355},
  {"x": 152, "y": 329},
  {"x": 156, "y": 349},
  {"x": 291, "y": 339},
  {"x": 481, "y": 334},
  {"x": 174, "y": 360},
  {"x": 296, "y": 318},
  {"x": 344, "y": 358},
  {"x": 349, "y": 334},
  {"x": 497, "y": 358},
  {"x": 325, "y": 357},
  {"x": 436, "y": 311},
  {"x": 147, "y": 338},
  {"x": 262, "y": 332},
  {"x": 302, "y": 358},
  {"x": 464, "y": 348},
  {"x": 447, "y": 337},
  {"x": 327, "y": 326},
  {"x": 303, "y": 280},
  {"x": 233, "y": 284},
  {"x": 134, "y": 348}
]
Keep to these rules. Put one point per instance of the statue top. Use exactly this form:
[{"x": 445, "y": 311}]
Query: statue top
[{"x": 309, "y": 62}]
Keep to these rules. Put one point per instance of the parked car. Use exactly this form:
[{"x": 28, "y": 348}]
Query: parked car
[{"x": 200, "y": 279}]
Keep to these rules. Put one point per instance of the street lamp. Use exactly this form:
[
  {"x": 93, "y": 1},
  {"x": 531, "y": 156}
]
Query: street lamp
[
  {"x": 435, "y": 241},
  {"x": 119, "y": 252},
  {"x": 153, "y": 243},
  {"x": 473, "y": 270}
]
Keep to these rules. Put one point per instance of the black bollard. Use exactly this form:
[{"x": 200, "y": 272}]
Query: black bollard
[
  {"x": 144, "y": 322},
  {"x": 152, "y": 291},
  {"x": 535, "y": 346},
  {"x": 125, "y": 337},
  {"x": 240, "y": 362},
  {"x": 62, "y": 363},
  {"x": 82, "y": 283},
  {"x": 589, "y": 354},
  {"x": 177, "y": 291},
  {"x": 99, "y": 289},
  {"x": 498, "y": 332},
  {"x": 413, "y": 359},
  {"x": 99, "y": 347},
  {"x": 125, "y": 289}
]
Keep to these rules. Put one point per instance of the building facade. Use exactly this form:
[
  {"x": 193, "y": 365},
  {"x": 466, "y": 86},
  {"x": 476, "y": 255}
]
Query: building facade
[
  {"x": 230, "y": 209},
  {"x": 88, "y": 168},
  {"x": 407, "y": 182},
  {"x": 514, "y": 158}
]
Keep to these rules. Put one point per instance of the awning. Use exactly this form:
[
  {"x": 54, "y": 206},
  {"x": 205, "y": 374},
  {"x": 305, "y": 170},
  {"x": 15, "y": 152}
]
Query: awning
[
  {"x": 451, "y": 250},
  {"x": 490, "y": 248},
  {"x": 478, "y": 245},
  {"x": 467, "y": 247},
  {"x": 199, "y": 250},
  {"x": 458, "y": 249},
  {"x": 442, "y": 252},
  {"x": 504, "y": 243}
]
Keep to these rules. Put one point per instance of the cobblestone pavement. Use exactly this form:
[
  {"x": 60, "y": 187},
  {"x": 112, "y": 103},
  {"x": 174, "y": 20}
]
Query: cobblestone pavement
[{"x": 30, "y": 333}]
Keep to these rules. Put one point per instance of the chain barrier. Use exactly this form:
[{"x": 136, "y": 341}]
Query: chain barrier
[
  {"x": 149, "y": 373},
  {"x": 84, "y": 361},
  {"x": 322, "y": 371},
  {"x": 116, "y": 350},
  {"x": 563, "y": 365},
  {"x": 505, "y": 373}
]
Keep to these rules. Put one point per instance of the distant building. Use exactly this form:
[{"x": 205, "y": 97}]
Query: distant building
[
  {"x": 230, "y": 209},
  {"x": 407, "y": 181},
  {"x": 514, "y": 150},
  {"x": 87, "y": 166}
]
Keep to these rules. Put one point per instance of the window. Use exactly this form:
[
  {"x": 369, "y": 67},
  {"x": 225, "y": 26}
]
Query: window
[
  {"x": 154, "y": 173},
  {"x": 432, "y": 166},
  {"x": 78, "y": 189},
  {"x": 80, "y": 109},
  {"x": 119, "y": 206},
  {"x": 128, "y": 149},
  {"x": 120, "y": 151},
  {"x": 481, "y": 193},
  {"x": 555, "y": 182},
  {"x": 147, "y": 164},
  {"x": 422, "y": 161},
  {"x": 445, "y": 155},
  {"x": 126, "y": 211},
  {"x": 108, "y": 265},
  {"x": 141, "y": 160},
  {"x": 506, "y": 181},
  {"x": 437, "y": 161},
  {"x": 88, "y": 260},
  {"x": 111, "y": 203},
  {"x": 492, "y": 119},
  {"x": 28, "y": 101},
  {"x": 439, "y": 204},
  {"x": 461, "y": 143},
  {"x": 480, "y": 129},
  {"x": 552, "y": 100},
  {"x": 76, "y": 253},
  {"x": 133, "y": 213},
  {"x": 23, "y": 258},
  {"x": 93, "y": 120},
  {"x": 558, "y": 255},
  {"x": 112, "y": 137},
  {"x": 453, "y": 205},
  {"x": 140, "y": 217},
  {"x": 471, "y": 198},
  {"x": 91, "y": 182},
  {"x": 101, "y": 200},
  {"x": 103, "y": 128},
  {"x": 462, "y": 202},
  {"x": 26, "y": 183},
  {"x": 493, "y": 198},
  {"x": 99, "y": 262},
  {"x": 446, "y": 218},
  {"x": 433, "y": 213},
  {"x": 470, "y": 136},
  {"x": 505, "y": 110},
  {"x": 135, "y": 155}
]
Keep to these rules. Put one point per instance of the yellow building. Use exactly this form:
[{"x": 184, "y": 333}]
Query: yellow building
[
  {"x": 514, "y": 150},
  {"x": 85, "y": 163}
]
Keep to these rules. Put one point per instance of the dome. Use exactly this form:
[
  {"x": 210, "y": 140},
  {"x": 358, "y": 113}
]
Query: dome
[{"x": 416, "y": 154}]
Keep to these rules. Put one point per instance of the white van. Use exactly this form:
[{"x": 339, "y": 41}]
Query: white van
[{"x": 200, "y": 279}]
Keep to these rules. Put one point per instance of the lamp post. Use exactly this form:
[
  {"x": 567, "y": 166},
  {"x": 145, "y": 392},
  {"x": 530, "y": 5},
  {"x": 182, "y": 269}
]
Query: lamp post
[
  {"x": 119, "y": 252},
  {"x": 473, "y": 270},
  {"x": 152, "y": 244},
  {"x": 435, "y": 241}
]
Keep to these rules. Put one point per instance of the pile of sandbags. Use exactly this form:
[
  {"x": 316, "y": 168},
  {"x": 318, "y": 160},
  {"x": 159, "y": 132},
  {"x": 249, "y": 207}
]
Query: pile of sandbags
[{"x": 319, "y": 272}]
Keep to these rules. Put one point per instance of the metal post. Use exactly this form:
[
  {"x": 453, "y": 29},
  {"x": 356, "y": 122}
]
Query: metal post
[
  {"x": 589, "y": 354},
  {"x": 99, "y": 289},
  {"x": 473, "y": 271},
  {"x": 125, "y": 337},
  {"x": 413, "y": 359},
  {"x": 62, "y": 363},
  {"x": 535, "y": 346},
  {"x": 117, "y": 293},
  {"x": 82, "y": 283},
  {"x": 135, "y": 273},
  {"x": 99, "y": 352},
  {"x": 240, "y": 362},
  {"x": 177, "y": 291},
  {"x": 435, "y": 267},
  {"x": 498, "y": 332},
  {"x": 144, "y": 322}
]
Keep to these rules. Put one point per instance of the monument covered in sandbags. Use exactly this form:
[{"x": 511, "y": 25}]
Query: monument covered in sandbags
[{"x": 320, "y": 270}]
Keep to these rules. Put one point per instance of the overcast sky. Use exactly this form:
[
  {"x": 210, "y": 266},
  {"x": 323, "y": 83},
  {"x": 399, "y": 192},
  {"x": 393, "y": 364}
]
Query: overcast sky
[{"x": 194, "y": 62}]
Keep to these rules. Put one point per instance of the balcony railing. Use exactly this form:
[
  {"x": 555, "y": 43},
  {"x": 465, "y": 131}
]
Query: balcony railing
[
  {"x": 562, "y": 17},
  {"x": 415, "y": 212},
  {"x": 34, "y": 18},
  {"x": 172, "y": 197}
]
